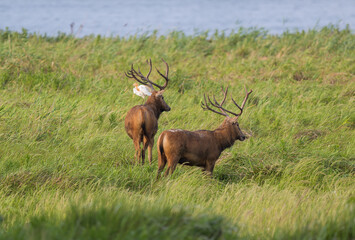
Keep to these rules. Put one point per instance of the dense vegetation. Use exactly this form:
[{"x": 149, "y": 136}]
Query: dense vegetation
[{"x": 66, "y": 167}]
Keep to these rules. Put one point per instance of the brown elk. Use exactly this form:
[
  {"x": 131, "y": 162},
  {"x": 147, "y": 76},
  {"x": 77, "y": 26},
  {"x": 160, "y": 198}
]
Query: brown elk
[
  {"x": 141, "y": 122},
  {"x": 200, "y": 148}
]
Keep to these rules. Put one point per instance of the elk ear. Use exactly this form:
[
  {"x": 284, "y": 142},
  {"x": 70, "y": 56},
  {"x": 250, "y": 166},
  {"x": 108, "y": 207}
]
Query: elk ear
[
  {"x": 159, "y": 93},
  {"x": 234, "y": 120}
]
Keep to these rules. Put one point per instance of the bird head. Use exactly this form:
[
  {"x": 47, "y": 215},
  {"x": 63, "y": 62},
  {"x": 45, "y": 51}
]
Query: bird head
[{"x": 136, "y": 86}]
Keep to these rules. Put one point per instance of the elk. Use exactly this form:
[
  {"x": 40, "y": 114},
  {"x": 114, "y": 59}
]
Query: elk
[
  {"x": 200, "y": 148},
  {"x": 141, "y": 122}
]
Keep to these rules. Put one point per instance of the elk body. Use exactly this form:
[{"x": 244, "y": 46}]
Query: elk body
[
  {"x": 141, "y": 122},
  {"x": 200, "y": 148}
]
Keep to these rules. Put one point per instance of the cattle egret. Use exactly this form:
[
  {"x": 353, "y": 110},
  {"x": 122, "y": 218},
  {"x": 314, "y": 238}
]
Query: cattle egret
[{"x": 141, "y": 90}]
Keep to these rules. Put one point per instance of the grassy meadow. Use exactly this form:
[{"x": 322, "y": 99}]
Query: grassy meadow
[{"x": 66, "y": 168}]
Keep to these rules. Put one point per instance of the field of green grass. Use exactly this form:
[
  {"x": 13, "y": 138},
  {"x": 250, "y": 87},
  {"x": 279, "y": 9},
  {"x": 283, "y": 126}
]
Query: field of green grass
[{"x": 66, "y": 163}]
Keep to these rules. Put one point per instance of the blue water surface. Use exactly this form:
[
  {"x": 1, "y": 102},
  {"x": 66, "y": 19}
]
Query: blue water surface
[{"x": 125, "y": 18}]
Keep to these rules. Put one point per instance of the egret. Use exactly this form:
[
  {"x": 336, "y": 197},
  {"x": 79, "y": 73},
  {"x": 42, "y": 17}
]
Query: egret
[{"x": 141, "y": 90}]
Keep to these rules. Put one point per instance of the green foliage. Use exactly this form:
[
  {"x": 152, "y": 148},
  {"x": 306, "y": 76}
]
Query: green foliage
[
  {"x": 66, "y": 163},
  {"x": 120, "y": 221}
]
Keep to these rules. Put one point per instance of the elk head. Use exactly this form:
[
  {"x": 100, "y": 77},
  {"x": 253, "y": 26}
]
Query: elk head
[
  {"x": 157, "y": 96},
  {"x": 231, "y": 123}
]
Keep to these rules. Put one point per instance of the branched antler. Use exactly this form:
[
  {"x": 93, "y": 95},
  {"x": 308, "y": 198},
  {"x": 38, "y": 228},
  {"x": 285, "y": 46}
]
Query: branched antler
[
  {"x": 244, "y": 101},
  {"x": 164, "y": 76},
  {"x": 224, "y": 111},
  {"x": 138, "y": 76},
  {"x": 205, "y": 105}
]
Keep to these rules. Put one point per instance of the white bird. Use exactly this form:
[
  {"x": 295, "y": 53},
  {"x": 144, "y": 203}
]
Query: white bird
[{"x": 141, "y": 90}]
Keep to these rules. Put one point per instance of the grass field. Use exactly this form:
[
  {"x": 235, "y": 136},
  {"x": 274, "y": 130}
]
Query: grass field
[{"x": 66, "y": 167}]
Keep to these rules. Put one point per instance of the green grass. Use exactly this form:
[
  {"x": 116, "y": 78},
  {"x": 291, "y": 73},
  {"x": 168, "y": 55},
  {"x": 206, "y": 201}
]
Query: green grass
[{"x": 66, "y": 167}]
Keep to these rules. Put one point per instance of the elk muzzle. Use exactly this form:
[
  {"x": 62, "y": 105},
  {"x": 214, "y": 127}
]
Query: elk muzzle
[{"x": 165, "y": 106}]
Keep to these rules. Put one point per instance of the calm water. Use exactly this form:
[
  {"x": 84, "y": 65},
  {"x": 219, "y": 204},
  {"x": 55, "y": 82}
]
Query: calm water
[{"x": 116, "y": 17}]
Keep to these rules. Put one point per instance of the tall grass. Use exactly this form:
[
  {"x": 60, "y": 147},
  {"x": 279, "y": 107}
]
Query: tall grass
[{"x": 66, "y": 167}]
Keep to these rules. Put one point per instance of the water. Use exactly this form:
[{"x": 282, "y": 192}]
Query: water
[{"x": 124, "y": 18}]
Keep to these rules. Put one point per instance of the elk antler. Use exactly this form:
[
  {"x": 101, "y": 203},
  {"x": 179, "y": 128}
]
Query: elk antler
[
  {"x": 136, "y": 75},
  {"x": 165, "y": 77},
  {"x": 145, "y": 79},
  {"x": 216, "y": 104},
  {"x": 244, "y": 101},
  {"x": 224, "y": 111}
]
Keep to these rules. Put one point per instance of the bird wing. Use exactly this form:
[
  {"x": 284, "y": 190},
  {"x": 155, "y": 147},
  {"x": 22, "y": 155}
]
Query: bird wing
[
  {"x": 138, "y": 93},
  {"x": 146, "y": 90}
]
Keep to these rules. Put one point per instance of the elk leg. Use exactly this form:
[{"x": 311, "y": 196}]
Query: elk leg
[
  {"x": 209, "y": 168},
  {"x": 145, "y": 145},
  {"x": 160, "y": 169},
  {"x": 161, "y": 163},
  {"x": 167, "y": 171},
  {"x": 150, "y": 147},
  {"x": 171, "y": 166},
  {"x": 137, "y": 146}
]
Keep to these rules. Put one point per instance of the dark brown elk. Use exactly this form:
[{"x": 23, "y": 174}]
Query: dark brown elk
[
  {"x": 200, "y": 148},
  {"x": 141, "y": 122}
]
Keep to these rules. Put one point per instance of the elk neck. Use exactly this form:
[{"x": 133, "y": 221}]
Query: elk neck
[
  {"x": 153, "y": 105},
  {"x": 225, "y": 135}
]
